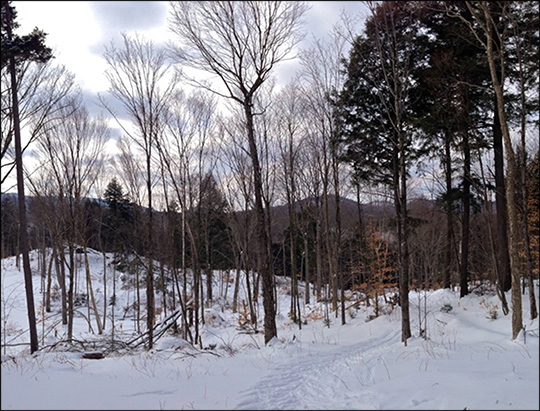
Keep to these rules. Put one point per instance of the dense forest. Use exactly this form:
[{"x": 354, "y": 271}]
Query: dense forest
[{"x": 402, "y": 155}]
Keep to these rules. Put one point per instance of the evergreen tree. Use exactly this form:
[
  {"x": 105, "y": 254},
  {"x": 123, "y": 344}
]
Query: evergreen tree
[
  {"x": 375, "y": 114},
  {"x": 212, "y": 229},
  {"x": 118, "y": 221},
  {"x": 29, "y": 47},
  {"x": 214, "y": 208},
  {"x": 114, "y": 196},
  {"x": 453, "y": 111},
  {"x": 10, "y": 225}
]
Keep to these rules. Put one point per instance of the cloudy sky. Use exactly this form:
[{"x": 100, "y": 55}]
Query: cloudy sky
[{"x": 78, "y": 30}]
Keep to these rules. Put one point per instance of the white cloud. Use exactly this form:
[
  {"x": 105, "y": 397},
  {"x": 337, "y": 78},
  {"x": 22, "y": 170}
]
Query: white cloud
[
  {"x": 78, "y": 30},
  {"x": 70, "y": 33}
]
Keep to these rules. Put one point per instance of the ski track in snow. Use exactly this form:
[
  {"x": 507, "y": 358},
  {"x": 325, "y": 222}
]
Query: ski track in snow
[{"x": 317, "y": 382}]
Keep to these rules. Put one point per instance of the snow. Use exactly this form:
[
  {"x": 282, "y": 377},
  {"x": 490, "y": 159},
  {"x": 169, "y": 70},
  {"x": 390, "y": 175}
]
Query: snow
[{"x": 468, "y": 360}]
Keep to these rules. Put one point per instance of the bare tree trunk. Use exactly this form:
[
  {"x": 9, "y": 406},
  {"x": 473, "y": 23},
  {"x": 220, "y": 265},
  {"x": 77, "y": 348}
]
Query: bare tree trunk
[
  {"x": 533, "y": 309},
  {"x": 307, "y": 270},
  {"x": 23, "y": 224},
  {"x": 163, "y": 286},
  {"x": 503, "y": 258},
  {"x": 138, "y": 300},
  {"x": 236, "y": 289},
  {"x": 59, "y": 262},
  {"x": 113, "y": 304},
  {"x": 91, "y": 299},
  {"x": 361, "y": 233},
  {"x": 496, "y": 267},
  {"x": 513, "y": 225},
  {"x": 250, "y": 296},
  {"x": 329, "y": 249},
  {"x": 264, "y": 258},
  {"x": 403, "y": 243},
  {"x": 337, "y": 219},
  {"x": 292, "y": 259},
  {"x": 104, "y": 287},
  {"x": 150, "y": 303},
  {"x": 464, "y": 266},
  {"x": 49, "y": 283},
  {"x": 449, "y": 214},
  {"x": 70, "y": 300},
  {"x": 318, "y": 259}
]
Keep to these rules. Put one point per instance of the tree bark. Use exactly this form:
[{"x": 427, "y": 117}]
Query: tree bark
[
  {"x": 449, "y": 214},
  {"x": 465, "y": 228},
  {"x": 264, "y": 260},
  {"x": 402, "y": 217},
  {"x": 505, "y": 276},
  {"x": 513, "y": 225},
  {"x": 23, "y": 224}
]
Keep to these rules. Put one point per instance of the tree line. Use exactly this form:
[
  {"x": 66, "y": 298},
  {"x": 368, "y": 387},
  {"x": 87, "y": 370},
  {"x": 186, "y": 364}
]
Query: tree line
[{"x": 438, "y": 92}]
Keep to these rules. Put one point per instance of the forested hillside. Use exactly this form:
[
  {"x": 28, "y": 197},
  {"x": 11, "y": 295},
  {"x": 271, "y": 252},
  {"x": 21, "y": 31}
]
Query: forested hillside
[{"x": 403, "y": 156}]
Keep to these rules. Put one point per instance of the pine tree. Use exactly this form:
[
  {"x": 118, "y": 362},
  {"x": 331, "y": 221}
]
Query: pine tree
[
  {"x": 114, "y": 195},
  {"x": 450, "y": 109},
  {"x": 375, "y": 120},
  {"x": 118, "y": 221}
]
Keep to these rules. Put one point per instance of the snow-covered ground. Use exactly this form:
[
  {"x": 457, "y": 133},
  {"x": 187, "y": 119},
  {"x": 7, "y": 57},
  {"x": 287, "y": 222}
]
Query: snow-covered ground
[{"x": 468, "y": 360}]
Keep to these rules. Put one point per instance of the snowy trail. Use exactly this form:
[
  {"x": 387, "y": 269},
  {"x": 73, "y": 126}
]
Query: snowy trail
[{"x": 319, "y": 380}]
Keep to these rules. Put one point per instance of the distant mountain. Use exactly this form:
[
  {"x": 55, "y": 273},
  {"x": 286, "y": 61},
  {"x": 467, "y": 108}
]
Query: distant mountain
[
  {"x": 15, "y": 197},
  {"x": 8, "y": 196},
  {"x": 280, "y": 214},
  {"x": 348, "y": 211}
]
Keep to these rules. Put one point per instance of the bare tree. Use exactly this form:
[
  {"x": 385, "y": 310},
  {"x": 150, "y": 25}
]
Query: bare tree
[
  {"x": 494, "y": 40},
  {"x": 43, "y": 90},
  {"x": 183, "y": 153},
  {"x": 240, "y": 43},
  {"x": 527, "y": 75},
  {"x": 72, "y": 150},
  {"x": 321, "y": 75},
  {"x": 130, "y": 167},
  {"x": 30, "y": 47},
  {"x": 139, "y": 79},
  {"x": 238, "y": 181},
  {"x": 43, "y": 189}
]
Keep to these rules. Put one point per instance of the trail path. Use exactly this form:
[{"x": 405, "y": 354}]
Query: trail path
[{"x": 341, "y": 378}]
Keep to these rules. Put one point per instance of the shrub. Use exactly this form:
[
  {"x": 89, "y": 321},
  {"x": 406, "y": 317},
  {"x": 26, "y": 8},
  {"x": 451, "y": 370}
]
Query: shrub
[{"x": 447, "y": 308}]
